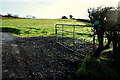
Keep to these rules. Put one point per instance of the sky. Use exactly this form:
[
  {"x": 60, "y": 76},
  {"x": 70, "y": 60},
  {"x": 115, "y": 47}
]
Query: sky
[{"x": 52, "y": 8}]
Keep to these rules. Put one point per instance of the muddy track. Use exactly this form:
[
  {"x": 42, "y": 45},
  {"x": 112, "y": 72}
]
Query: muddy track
[{"x": 38, "y": 58}]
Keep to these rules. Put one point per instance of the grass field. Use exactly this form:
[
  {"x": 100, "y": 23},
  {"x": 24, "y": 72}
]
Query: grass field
[{"x": 42, "y": 27}]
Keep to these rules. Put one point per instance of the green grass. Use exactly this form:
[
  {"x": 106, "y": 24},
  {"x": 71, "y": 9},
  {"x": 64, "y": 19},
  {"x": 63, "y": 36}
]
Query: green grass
[{"x": 43, "y": 27}]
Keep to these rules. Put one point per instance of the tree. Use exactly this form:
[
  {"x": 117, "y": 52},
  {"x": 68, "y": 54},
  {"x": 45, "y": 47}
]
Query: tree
[
  {"x": 9, "y": 15},
  {"x": 71, "y": 17},
  {"x": 106, "y": 23},
  {"x": 64, "y": 17},
  {"x": 16, "y": 16}
]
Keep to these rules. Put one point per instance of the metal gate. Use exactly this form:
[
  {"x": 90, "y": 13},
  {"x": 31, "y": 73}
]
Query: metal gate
[{"x": 77, "y": 38}]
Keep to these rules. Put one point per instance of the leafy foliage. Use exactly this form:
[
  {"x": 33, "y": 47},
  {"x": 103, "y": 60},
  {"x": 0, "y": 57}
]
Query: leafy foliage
[
  {"x": 95, "y": 69},
  {"x": 106, "y": 21},
  {"x": 64, "y": 17}
]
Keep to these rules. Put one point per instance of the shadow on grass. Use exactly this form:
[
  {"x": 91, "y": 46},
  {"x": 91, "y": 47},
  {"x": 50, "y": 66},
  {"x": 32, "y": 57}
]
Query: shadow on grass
[
  {"x": 90, "y": 35},
  {"x": 11, "y": 30},
  {"x": 52, "y": 35}
]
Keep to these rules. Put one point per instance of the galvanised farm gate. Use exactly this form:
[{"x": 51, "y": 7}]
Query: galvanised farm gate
[{"x": 76, "y": 38}]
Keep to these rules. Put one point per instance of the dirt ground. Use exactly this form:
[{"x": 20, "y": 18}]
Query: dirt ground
[{"x": 38, "y": 58}]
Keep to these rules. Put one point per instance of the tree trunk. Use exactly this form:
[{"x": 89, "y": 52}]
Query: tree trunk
[
  {"x": 100, "y": 47},
  {"x": 114, "y": 45}
]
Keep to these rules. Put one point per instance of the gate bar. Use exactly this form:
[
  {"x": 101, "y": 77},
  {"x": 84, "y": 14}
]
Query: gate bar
[{"x": 76, "y": 25}]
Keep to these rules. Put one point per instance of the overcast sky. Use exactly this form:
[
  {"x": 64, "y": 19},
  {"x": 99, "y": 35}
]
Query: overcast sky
[{"x": 52, "y": 8}]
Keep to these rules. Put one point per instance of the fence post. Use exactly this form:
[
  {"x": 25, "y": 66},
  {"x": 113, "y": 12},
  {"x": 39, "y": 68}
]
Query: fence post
[{"x": 56, "y": 33}]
